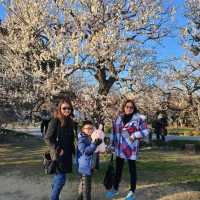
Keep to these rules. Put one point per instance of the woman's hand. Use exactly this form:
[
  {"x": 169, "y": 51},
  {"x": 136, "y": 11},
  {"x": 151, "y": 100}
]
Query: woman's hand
[
  {"x": 132, "y": 138},
  {"x": 110, "y": 149},
  {"x": 59, "y": 151},
  {"x": 95, "y": 135}
]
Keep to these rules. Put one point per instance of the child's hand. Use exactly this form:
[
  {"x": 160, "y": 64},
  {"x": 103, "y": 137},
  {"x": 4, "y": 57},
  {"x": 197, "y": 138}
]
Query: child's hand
[{"x": 95, "y": 135}]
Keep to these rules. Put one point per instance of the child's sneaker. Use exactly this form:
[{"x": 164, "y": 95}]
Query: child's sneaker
[
  {"x": 111, "y": 193},
  {"x": 130, "y": 196}
]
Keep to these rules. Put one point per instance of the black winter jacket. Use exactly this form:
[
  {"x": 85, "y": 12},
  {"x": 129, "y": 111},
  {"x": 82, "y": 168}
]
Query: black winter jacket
[{"x": 62, "y": 138}]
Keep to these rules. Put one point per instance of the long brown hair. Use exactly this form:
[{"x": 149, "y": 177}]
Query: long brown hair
[
  {"x": 129, "y": 101},
  {"x": 59, "y": 115}
]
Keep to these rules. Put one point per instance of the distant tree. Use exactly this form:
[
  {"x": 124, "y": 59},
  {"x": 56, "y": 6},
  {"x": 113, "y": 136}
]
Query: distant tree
[{"x": 47, "y": 41}]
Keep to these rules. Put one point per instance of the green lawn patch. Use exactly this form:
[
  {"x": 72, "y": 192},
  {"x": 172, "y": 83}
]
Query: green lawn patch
[
  {"x": 154, "y": 166},
  {"x": 183, "y": 131}
]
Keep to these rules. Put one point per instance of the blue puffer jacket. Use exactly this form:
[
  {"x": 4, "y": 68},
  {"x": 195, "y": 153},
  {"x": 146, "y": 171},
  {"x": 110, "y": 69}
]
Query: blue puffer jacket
[{"x": 85, "y": 153}]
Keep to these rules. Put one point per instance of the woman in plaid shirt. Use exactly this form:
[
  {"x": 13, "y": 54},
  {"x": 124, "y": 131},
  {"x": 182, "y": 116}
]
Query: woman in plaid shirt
[{"x": 128, "y": 129}]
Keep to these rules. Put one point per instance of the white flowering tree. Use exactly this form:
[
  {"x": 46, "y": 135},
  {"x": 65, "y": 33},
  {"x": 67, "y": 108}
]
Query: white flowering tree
[
  {"x": 96, "y": 107},
  {"x": 191, "y": 42},
  {"x": 103, "y": 37},
  {"x": 109, "y": 36},
  {"x": 31, "y": 70},
  {"x": 188, "y": 77}
]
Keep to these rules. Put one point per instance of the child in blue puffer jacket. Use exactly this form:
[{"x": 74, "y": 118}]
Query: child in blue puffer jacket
[{"x": 86, "y": 149}]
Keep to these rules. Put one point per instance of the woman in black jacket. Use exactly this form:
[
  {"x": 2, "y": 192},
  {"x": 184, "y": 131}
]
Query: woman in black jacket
[{"x": 60, "y": 140}]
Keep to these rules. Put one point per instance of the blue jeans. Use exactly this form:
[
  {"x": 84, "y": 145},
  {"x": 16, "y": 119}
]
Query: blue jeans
[{"x": 57, "y": 185}]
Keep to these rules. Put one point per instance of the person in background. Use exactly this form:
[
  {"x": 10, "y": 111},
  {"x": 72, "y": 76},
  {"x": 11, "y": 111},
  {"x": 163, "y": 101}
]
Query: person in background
[
  {"x": 160, "y": 127},
  {"x": 45, "y": 119}
]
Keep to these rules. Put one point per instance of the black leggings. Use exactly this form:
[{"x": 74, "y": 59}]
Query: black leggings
[{"x": 118, "y": 173}]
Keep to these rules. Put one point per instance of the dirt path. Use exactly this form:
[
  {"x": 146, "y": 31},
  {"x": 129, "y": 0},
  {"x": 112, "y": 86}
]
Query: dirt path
[{"x": 14, "y": 187}]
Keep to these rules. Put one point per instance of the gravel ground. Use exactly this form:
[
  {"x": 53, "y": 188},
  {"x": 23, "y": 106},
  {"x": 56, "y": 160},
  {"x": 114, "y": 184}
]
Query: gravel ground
[{"x": 14, "y": 187}]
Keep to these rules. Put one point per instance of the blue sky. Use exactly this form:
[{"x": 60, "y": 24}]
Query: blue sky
[
  {"x": 170, "y": 46},
  {"x": 2, "y": 12}
]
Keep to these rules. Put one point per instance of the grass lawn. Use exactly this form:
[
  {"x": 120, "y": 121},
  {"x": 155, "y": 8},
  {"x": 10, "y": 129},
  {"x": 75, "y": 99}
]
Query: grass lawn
[
  {"x": 183, "y": 131},
  {"x": 162, "y": 174}
]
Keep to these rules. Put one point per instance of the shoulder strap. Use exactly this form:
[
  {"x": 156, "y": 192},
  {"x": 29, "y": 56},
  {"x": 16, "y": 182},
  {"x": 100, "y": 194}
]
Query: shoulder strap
[{"x": 58, "y": 134}]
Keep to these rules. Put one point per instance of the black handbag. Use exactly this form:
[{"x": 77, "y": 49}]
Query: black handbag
[
  {"x": 110, "y": 175},
  {"x": 49, "y": 164}
]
